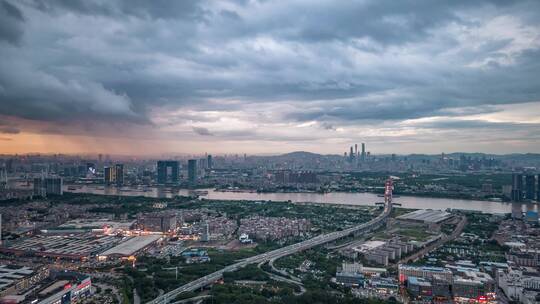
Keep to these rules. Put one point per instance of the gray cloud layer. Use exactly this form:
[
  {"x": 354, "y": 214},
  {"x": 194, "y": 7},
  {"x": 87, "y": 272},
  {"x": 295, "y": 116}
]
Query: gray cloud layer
[
  {"x": 339, "y": 64},
  {"x": 11, "y": 19}
]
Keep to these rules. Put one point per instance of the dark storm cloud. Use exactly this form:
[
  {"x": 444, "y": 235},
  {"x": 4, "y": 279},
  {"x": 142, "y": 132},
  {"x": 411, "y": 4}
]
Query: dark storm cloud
[
  {"x": 328, "y": 126},
  {"x": 11, "y": 23},
  {"x": 479, "y": 124},
  {"x": 483, "y": 130},
  {"x": 34, "y": 94},
  {"x": 386, "y": 22},
  {"x": 8, "y": 127},
  {"x": 139, "y": 8},
  {"x": 9, "y": 130},
  {"x": 202, "y": 131},
  {"x": 335, "y": 63},
  {"x": 472, "y": 89}
]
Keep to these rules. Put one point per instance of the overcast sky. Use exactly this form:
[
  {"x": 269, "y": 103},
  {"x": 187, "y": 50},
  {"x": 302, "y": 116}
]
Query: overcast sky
[{"x": 153, "y": 77}]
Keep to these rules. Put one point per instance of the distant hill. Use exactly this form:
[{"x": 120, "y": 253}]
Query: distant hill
[
  {"x": 300, "y": 154},
  {"x": 527, "y": 159}
]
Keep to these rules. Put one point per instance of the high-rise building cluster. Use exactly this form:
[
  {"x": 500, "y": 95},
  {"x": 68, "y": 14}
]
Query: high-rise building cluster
[
  {"x": 295, "y": 177},
  {"x": 192, "y": 170},
  {"x": 357, "y": 156},
  {"x": 114, "y": 174},
  {"x": 528, "y": 190},
  {"x": 46, "y": 185},
  {"x": 168, "y": 172}
]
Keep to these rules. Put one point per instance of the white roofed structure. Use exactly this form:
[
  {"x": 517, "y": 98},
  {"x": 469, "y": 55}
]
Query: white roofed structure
[
  {"x": 131, "y": 246},
  {"x": 426, "y": 216}
]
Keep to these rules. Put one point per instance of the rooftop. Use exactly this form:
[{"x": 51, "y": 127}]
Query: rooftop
[
  {"x": 74, "y": 246},
  {"x": 9, "y": 274},
  {"x": 132, "y": 245},
  {"x": 97, "y": 224},
  {"x": 424, "y": 268},
  {"x": 426, "y": 216},
  {"x": 370, "y": 245},
  {"x": 418, "y": 281}
]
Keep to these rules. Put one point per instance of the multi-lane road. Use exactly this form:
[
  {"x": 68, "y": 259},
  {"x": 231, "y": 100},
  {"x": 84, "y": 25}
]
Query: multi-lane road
[
  {"x": 438, "y": 243},
  {"x": 281, "y": 252}
]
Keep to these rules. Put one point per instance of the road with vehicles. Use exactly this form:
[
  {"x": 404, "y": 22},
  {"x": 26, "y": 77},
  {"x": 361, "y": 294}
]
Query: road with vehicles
[
  {"x": 438, "y": 243},
  {"x": 284, "y": 251}
]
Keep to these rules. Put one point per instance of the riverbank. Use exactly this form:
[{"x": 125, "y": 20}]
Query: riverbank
[
  {"x": 162, "y": 190},
  {"x": 396, "y": 193},
  {"x": 341, "y": 198}
]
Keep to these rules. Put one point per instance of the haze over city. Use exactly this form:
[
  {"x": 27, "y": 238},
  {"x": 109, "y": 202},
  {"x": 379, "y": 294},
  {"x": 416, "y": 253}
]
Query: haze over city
[{"x": 268, "y": 77}]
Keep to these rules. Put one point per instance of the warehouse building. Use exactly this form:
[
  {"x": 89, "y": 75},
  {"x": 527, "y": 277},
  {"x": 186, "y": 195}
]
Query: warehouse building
[
  {"x": 426, "y": 272},
  {"x": 63, "y": 287},
  {"x": 104, "y": 226},
  {"x": 74, "y": 247},
  {"x": 16, "y": 279},
  {"x": 354, "y": 274},
  {"x": 130, "y": 247},
  {"x": 470, "y": 285},
  {"x": 419, "y": 288},
  {"x": 425, "y": 216},
  {"x": 350, "y": 275},
  {"x": 382, "y": 252}
]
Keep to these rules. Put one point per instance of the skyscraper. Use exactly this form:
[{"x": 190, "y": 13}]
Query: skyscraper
[
  {"x": 109, "y": 175},
  {"x": 351, "y": 155},
  {"x": 517, "y": 187},
  {"x": 206, "y": 233},
  {"x": 3, "y": 179},
  {"x": 209, "y": 161},
  {"x": 48, "y": 185},
  {"x": 529, "y": 187},
  {"x": 203, "y": 164},
  {"x": 363, "y": 152},
  {"x": 9, "y": 166},
  {"x": 192, "y": 170},
  {"x": 167, "y": 172},
  {"x": 114, "y": 175},
  {"x": 538, "y": 189},
  {"x": 119, "y": 168}
]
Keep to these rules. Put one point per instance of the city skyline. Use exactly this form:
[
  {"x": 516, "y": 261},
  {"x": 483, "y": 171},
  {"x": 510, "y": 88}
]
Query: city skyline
[{"x": 264, "y": 77}]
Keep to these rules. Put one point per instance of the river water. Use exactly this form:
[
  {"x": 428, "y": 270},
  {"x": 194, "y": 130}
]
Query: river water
[{"x": 367, "y": 199}]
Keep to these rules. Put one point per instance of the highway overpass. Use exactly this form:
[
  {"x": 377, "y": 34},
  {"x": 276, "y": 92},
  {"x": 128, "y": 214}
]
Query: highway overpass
[{"x": 284, "y": 251}]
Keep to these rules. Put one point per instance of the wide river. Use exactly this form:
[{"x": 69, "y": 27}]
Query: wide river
[{"x": 368, "y": 199}]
